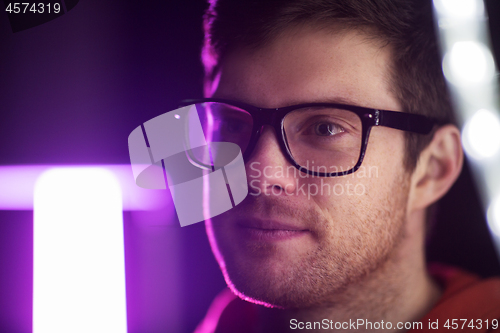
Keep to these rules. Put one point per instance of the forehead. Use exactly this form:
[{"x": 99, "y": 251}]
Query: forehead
[{"x": 310, "y": 65}]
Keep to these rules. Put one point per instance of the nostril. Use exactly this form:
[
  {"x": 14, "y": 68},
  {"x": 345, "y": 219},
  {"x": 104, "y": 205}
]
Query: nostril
[{"x": 279, "y": 190}]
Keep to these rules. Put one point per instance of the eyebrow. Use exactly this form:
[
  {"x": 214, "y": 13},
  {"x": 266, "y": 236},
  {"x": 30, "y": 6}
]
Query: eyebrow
[
  {"x": 332, "y": 100},
  {"x": 292, "y": 102}
]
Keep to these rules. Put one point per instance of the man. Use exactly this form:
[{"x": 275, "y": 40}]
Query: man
[{"x": 331, "y": 235}]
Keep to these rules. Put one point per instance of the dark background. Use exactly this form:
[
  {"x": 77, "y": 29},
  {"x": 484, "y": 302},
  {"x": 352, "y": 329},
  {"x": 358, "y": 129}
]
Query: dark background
[{"x": 72, "y": 90}]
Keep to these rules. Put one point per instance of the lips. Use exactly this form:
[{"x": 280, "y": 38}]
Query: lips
[
  {"x": 269, "y": 225},
  {"x": 270, "y": 230}
]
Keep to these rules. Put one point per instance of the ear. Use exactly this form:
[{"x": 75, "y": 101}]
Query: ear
[{"x": 438, "y": 167}]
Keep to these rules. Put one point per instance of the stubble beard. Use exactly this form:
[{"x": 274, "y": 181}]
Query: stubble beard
[{"x": 350, "y": 252}]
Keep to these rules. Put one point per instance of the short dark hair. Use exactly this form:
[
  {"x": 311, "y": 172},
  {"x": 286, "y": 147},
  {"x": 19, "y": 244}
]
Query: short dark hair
[{"x": 406, "y": 25}]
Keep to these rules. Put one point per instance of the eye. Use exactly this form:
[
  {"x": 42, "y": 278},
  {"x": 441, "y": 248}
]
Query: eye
[{"x": 327, "y": 129}]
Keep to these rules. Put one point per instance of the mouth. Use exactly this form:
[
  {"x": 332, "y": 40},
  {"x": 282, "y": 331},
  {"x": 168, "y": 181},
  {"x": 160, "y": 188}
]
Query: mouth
[{"x": 270, "y": 230}]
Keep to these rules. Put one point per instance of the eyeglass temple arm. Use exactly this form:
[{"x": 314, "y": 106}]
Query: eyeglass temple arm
[{"x": 406, "y": 122}]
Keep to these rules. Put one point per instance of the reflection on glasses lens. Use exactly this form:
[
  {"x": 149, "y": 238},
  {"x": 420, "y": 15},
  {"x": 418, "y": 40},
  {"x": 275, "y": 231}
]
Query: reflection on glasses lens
[
  {"x": 320, "y": 139},
  {"x": 225, "y": 123},
  {"x": 324, "y": 139}
]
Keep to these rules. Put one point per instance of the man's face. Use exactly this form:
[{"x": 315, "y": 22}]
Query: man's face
[{"x": 304, "y": 246}]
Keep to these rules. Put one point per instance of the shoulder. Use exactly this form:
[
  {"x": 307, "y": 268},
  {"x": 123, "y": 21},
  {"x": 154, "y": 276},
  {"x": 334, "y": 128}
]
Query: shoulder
[
  {"x": 465, "y": 296},
  {"x": 228, "y": 313}
]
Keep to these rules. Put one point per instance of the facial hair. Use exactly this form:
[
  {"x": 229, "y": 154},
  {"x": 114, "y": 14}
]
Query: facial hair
[{"x": 353, "y": 240}]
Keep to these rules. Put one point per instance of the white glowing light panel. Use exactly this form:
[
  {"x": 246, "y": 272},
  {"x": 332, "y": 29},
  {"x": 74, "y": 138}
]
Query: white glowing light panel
[{"x": 79, "y": 269}]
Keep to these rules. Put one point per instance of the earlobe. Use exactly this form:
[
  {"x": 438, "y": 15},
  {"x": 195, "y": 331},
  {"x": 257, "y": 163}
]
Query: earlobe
[{"x": 439, "y": 166}]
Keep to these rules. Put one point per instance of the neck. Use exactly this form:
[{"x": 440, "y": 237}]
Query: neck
[{"x": 400, "y": 291}]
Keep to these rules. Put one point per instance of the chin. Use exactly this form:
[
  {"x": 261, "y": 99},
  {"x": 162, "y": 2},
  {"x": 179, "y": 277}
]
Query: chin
[
  {"x": 292, "y": 289},
  {"x": 250, "y": 277},
  {"x": 263, "y": 277}
]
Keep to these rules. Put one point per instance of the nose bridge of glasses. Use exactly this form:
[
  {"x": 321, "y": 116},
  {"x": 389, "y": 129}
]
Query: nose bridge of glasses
[
  {"x": 267, "y": 117},
  {"x": 264, "y": 116}
]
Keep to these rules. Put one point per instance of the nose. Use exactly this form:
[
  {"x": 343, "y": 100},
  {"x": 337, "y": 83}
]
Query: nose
[{"x": 268, "y": 170}]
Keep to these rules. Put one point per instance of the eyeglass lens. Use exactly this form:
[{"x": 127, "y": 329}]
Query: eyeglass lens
[{"x": 320, "y": 139}]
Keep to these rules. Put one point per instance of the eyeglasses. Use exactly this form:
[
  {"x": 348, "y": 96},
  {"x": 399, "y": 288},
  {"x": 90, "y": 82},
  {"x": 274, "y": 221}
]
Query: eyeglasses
[{"x": 320, "y": 139}]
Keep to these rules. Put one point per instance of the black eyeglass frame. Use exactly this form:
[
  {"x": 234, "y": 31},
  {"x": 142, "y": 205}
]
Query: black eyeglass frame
[{"x": 369, "y": 117}]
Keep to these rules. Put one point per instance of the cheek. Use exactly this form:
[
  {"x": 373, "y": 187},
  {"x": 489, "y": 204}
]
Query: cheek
[
  {"x": 353, "y": 190},
  {"x": 345, "y": 202},
  {"x": 385, "y": 150},
  {"x": 371, "y": 188}
]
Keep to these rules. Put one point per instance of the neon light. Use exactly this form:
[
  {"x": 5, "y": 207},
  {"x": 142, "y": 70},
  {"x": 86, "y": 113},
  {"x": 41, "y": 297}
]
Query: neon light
[
  {"x": 79, "y": 270},
  {"x": 469, "y": 67},
  {"x": 18, "y": 181},
  {"x": 468, "y": 63},
  {"x": 494, "y": 216},
  {"x": 459, "y": 8},
  {"x": 481, "y": 135}
]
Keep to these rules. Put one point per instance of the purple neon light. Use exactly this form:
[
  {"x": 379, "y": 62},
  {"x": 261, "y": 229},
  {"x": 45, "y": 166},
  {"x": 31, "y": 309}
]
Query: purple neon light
[{"x": 17, "y": 184}]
